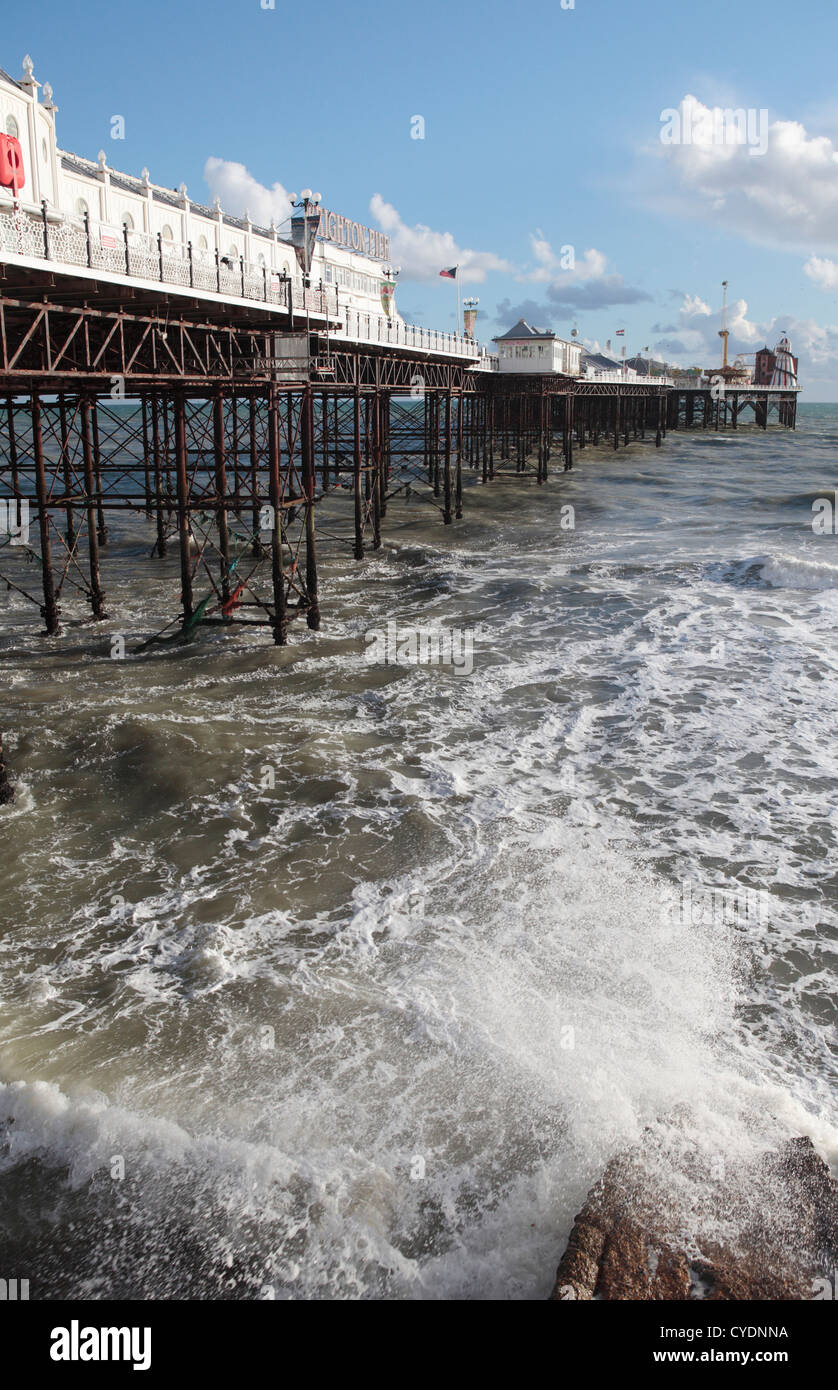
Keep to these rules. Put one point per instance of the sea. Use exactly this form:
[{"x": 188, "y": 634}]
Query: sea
[{"x": 341, "y": 970}]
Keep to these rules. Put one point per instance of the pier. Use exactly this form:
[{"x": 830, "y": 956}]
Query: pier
[{"x": 263, "y": 379}]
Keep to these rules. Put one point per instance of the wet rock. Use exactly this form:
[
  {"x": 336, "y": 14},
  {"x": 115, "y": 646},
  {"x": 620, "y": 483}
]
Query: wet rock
[{"x": 771, "y": 1233}]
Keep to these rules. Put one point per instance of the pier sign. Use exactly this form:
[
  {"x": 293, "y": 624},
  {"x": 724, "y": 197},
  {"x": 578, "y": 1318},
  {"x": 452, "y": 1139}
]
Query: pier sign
[{"x": 353, "y": 235}]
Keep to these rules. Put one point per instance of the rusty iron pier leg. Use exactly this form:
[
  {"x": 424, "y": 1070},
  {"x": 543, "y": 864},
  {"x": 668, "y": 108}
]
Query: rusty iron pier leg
[
  {"x": 484, "y": 434},
  {"x": 146, "y": 453},
  {"x": 458, "y": 466},
  {"x": 97, "y": 598},
  {"x": 356, "y": 465},
  {"x": 374, "y": 467},
  {"x": 324, "y": 438},
  {"x": 50, "y": 608},
  {"x": 184, "y": 527},
  {"x": 280, "y": 618},
  {"x": 160, "y": 544},
  {"x": 337, "y": 435},
  {"x": 255, "y": 513},
  {"x": 70, "y": 534},
  {"x": 222, "y": 522},
  {"x": 446, "y": 501},
  {"x": 310, "y": 488},
  {"x": 97, "y": 465},
  {"x": 383, "y": 451}
]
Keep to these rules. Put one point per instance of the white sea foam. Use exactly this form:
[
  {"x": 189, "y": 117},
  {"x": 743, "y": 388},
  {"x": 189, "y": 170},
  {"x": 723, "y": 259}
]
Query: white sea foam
[
  {"x": 286, "y": 996},
  {"x": 785, "y": 571}
]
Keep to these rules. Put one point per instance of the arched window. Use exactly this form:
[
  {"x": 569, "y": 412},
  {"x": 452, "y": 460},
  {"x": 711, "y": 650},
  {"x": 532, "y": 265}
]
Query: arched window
[
  {"x": 128, "y": 221},
  {"x": 166, "y": 232},
  {"x": 81, "y": 207},
  {"x": 260, "y": 259},
  {"x": 44, "y": 152},
  {"x": 12, "y": 126},
  {"x": 234, "y": 251},
  {"x": 202, "y": 243}
]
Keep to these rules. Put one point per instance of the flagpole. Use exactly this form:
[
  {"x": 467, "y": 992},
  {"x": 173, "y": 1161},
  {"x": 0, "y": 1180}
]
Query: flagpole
[{"x": 457, "y": 278}]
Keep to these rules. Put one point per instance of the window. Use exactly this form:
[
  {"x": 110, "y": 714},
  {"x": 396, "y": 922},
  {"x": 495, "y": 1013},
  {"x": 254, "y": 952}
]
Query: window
[
  {"x": 81, "y": 207},
  {"x": 128, "y": 221},
  {"x": 12, "y": 126},
  {"x": 166, "y": 232},
  {"x": 44, "y": 152},
  {"x": 234, "y": 251},
  {"x": 202, "y": 244},
  {"x": 260, "y": 259}
]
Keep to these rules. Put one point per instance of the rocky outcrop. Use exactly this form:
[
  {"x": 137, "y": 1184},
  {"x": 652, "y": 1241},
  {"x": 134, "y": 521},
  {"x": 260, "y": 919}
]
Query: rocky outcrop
[{"x": 779, "y": 1221}]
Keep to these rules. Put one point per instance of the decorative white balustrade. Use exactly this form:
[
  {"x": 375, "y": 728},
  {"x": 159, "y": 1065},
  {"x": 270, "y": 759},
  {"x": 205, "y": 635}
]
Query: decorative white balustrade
[
  {"x": 628, "y": 378},
  {"x": 138, "y": 255},
  {"x": 375, "y": 328}
]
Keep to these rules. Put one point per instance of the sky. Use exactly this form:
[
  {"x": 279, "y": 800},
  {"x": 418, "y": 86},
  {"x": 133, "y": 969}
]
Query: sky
[{"x": 575, "y": 160}]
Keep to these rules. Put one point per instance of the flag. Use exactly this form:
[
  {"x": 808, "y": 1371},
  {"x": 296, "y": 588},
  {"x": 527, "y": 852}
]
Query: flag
[
  {"x": 450, "y": 273},
  {"x": 621, "y": 333}
]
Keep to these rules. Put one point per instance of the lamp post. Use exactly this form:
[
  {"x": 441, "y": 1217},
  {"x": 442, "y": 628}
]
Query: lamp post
[{"x": 305, "y": 221}]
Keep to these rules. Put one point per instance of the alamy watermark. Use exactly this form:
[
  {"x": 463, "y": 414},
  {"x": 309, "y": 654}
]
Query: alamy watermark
[
  {"x": 825, "y": 515},
  {"x": 702, "y": 904},
  {"x": 718, "y": 125},
  {"x": 398, "y": 645}
]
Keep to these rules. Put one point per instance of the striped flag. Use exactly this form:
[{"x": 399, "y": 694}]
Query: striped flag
[
  {"x": 621, "y": 333},
  {"x": 450, "y": 273}
]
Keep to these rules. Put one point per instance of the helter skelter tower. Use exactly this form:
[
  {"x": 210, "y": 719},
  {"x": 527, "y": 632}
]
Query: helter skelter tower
[{"x": 784, "y": 373}]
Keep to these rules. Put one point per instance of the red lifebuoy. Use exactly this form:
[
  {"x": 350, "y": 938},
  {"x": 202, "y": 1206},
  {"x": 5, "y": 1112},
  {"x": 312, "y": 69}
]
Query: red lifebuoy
[{"x": 11, "y": 163}]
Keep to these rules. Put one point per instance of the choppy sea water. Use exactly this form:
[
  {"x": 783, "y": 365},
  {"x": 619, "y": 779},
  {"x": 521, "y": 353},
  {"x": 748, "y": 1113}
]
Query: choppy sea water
[{"x": 323, "y": 977}]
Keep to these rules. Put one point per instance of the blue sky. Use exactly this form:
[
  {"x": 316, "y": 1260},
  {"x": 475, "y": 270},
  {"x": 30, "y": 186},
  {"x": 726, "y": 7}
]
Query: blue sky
[{"x": 542, "y": 131}]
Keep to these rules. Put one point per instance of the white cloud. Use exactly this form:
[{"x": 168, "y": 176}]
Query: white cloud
[
  {"x": 573, "y": 283},
  {"x": 693, "y": 339},
  {"x": 786, "y": 195},
  {"x": 553, "y": 268},
  {"x": 240, "y": 192},
  {"x": 823, "y": 272},
  {"x": 422, "y": 253}
]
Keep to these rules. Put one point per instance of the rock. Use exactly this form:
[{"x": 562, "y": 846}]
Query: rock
[{"x": 635, "y": 1240}]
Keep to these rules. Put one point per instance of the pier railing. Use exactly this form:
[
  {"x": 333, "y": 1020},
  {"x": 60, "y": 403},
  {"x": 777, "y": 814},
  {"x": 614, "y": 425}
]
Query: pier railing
[
  {"x": 75, "y": 241},
  {"x": 375, "y": 328},
  {"x": 629, "y": 378},
  {"x": 80, "y": 241}
]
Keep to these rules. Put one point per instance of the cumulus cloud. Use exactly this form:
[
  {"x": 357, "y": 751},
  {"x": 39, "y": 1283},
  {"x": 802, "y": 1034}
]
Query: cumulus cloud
[
  {"x": 823, "y": 272},
  {"x": 771, "y": 181},
  {"x": 693, "y": 340},
  {"x": 240, "y": 192},
  {"x": 422, "y": 252},
  {"x": 563, "y": 265},
  {"x": 571, "y": 283}
]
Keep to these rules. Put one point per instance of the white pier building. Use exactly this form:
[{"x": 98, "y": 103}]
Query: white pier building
[{"x": 101, "y": 224}]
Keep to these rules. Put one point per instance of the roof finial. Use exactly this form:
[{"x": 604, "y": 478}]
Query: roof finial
[{"x": 28, "y": 67}]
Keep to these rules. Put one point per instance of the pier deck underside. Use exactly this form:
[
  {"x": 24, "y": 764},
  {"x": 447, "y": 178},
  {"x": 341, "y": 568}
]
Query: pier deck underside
[{"x": 219, "y": 436}]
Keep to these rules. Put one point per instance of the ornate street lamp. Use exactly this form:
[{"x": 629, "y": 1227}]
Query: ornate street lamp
[{"x": 305, "y": 222}]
